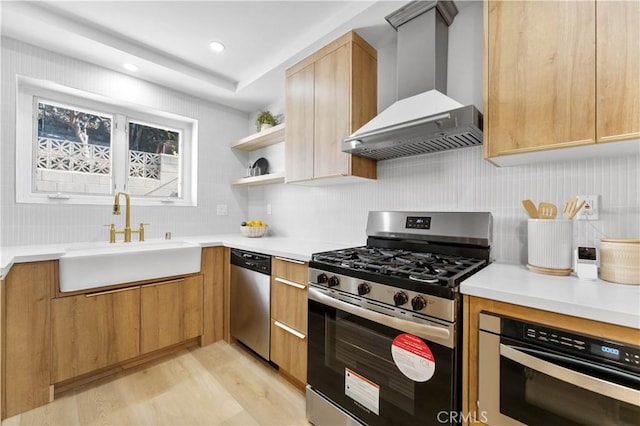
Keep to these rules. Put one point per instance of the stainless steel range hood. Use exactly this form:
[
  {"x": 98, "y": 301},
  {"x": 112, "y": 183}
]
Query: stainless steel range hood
[{"x": 424, "y": 119}]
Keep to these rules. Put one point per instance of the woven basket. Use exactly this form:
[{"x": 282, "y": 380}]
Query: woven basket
[{"x": 253, "y": 231}]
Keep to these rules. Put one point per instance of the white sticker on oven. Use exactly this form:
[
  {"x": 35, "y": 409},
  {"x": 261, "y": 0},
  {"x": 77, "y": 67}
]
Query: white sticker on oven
[
  {"x": 413, "y": 357},
  {"x": 361, "y": 390}
]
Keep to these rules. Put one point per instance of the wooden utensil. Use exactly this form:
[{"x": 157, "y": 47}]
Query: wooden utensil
[
  {"x": 547, "y": 211},
  {"x": 571, "y": 208},
  {"x": 530, "y": 208}
]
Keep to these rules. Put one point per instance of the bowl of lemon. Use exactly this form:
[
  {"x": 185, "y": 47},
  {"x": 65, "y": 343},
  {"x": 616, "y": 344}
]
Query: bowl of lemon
[{"x": 253, "y": 228}]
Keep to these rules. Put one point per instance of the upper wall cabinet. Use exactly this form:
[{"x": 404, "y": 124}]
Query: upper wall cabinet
[
  {"x": 560, "y": 74},
  {"x": 618, "y": 70},
  {"x": 329, "y": 95}
]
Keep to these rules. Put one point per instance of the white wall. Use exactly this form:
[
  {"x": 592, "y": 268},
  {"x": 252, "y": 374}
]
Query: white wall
[
  {"x": 218, "y": 127},
  {"x": 456, "y": 180}
]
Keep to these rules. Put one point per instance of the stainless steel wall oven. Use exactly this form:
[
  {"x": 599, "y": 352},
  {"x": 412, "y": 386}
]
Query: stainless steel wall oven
[{"x": 539, "y": 375}]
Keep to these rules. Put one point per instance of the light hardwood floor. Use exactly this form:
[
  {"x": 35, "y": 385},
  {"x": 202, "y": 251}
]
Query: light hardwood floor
[{"x": 219, "y": 384}]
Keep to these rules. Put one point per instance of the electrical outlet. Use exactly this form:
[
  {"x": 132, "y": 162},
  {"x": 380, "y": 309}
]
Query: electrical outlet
[
  {"x": 591, "y": 208},
  {"x": 221, "y": 210},
  {"x": 269, "y": 208}
]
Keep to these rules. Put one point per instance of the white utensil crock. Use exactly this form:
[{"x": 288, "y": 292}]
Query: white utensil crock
[{"x": 550, "y": 243}]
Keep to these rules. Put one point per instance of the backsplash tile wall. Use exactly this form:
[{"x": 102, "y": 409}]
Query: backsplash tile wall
[
  {"x": 458, "y": 180},
  {"x": 23, "y": 224}
]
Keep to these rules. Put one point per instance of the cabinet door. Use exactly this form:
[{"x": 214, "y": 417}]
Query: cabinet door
[
  {"x": 289, "y": 292},
  {"x": 289, "y": 303},
  {"x": 300, "y": 122},
  {"x": 618, "y": 72},
  {"x": 212, "y": 294},
  {"x": 539, "y": 75},
  {"x": 289, "y": 350},
  {"x": 26, "y": 341},
  {"x": 332, "y": 112},
  {"x": 94, "y": 331},
  {"x": 171, "y": 312}
]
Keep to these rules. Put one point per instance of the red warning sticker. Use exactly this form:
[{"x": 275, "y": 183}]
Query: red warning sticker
[{"x": 413, "y": 357}]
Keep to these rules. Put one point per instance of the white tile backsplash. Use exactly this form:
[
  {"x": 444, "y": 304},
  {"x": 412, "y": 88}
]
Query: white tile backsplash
[
  {"x": 218, "y": 127},
  {"x": 459, "y": 180},
  {"x": 456, "y": 180}
]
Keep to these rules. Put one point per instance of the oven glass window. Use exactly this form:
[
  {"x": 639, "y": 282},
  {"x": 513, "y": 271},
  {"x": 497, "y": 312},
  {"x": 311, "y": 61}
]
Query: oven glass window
[
  {"x": 535, "y": 398},
  {"x": 351, "y": 363}
]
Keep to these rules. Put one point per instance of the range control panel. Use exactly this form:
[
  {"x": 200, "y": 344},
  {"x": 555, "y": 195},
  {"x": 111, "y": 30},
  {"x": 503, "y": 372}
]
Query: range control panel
[{"x": 571, "y": 342}]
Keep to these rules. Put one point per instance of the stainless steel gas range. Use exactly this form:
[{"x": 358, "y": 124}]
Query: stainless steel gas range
[{"x": 385, "y": 320}]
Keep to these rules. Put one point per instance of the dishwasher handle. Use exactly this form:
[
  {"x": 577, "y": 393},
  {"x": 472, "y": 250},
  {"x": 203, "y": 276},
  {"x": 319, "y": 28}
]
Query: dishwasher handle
[{"x": 254, "y": 261}]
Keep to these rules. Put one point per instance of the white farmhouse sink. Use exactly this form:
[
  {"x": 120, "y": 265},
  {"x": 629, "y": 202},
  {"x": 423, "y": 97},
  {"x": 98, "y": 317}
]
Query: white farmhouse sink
[{"x": 97, "y": 265}]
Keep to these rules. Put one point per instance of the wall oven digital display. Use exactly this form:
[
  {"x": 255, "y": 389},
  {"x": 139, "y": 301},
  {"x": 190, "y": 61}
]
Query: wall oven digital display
[
  {"x": 606, "y": 351},
  {"x": 418, "y": 222}
]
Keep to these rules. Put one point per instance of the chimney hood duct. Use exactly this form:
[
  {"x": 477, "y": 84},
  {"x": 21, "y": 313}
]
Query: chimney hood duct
[{"x": 424, "y": 119}]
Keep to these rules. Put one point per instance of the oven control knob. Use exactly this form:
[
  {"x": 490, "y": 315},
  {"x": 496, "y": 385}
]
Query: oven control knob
[
  {"x": 322, "y": 278},
  {"x": 334, "y": 281},
  {"x": 400, "y": 298},
  {"x": 418, "y": 303},
  {"x": 363, "y": 288}
]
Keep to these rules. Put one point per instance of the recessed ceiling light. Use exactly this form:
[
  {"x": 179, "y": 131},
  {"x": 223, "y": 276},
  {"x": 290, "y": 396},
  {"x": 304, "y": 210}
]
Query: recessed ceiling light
[
  {"x": 130, "y": 67},
  {"x": 216, "y": 46}
]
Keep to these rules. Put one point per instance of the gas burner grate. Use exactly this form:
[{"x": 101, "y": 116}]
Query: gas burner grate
[{"x": 423, "y": 267}]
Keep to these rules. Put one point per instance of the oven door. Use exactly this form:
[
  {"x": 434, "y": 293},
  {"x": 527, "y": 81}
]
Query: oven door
[
  {"x": 379, "y": 369},
  {"x": 521, "y": 383}
]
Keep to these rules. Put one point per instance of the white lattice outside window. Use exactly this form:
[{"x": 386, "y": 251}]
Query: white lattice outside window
[{"x": 81, "y": 148}]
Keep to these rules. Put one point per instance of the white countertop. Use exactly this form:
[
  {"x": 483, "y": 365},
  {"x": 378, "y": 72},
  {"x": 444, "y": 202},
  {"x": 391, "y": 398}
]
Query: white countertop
[
  {"x": 276, "y": 246},
  {"x": 596, "y": 300}
]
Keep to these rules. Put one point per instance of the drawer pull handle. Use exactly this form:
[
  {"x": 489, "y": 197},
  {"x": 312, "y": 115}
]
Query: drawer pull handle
[
  {"x": 289, "y": 330},
  {"x": 284, "y": 259},
  {"x": 163, "y": 283},
  {"x": 101, "y": 293},
  {"x": 291, "y": 283}
]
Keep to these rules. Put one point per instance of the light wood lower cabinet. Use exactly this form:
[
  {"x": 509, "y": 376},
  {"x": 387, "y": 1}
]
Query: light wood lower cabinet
[
  {"x": 170, "y": 313},
  {"x": 289, "y": 317},
  {"x": 48, "y": 338},
  {"x": 289, "y": 350},
  {"x": 98, "y": 330},
  {"x": 26, "y": 336},
  {"x": 212, "y": 294},
  {"x": 94, "y": 331}
]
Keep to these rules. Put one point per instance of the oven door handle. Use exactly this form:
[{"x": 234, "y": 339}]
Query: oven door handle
[
  {"x": 593, "y": 384},
  {"x": 421, "y": 330}
]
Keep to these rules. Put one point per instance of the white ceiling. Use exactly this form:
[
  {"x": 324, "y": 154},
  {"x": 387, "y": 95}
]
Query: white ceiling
[{"x": 168, "y": 40}]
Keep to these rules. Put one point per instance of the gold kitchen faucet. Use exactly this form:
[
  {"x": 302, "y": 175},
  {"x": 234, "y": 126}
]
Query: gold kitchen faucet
[{"x": 127, "y": 220}]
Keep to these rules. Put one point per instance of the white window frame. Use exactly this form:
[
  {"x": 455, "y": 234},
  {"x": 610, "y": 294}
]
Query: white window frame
[{"x": 30, "y": 91}]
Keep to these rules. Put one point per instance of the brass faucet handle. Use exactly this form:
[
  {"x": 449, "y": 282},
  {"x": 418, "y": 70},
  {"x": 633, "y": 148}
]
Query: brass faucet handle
[
  {"x": 141, "y": 231},
  {"x": 112, "y": 232}
]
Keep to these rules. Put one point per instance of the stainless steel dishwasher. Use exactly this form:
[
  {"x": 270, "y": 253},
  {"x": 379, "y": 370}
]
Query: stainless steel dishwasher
[{"x": 250, "y": 304}]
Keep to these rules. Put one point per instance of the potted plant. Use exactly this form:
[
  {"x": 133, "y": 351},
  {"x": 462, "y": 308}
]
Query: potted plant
[{"x": 265, "y": 120}]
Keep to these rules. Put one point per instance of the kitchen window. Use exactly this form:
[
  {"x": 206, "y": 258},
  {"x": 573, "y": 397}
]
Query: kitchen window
[{"x": 79, "y": 148}]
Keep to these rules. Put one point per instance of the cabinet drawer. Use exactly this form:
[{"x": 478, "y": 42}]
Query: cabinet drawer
[
  {"x": 171, "y": 312},
  {"x": 94, "y": 331},
  {"x": 289, "y": 303},
  {"x": 289, "y": 350},
  {"x": 290, "y": 269}
]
